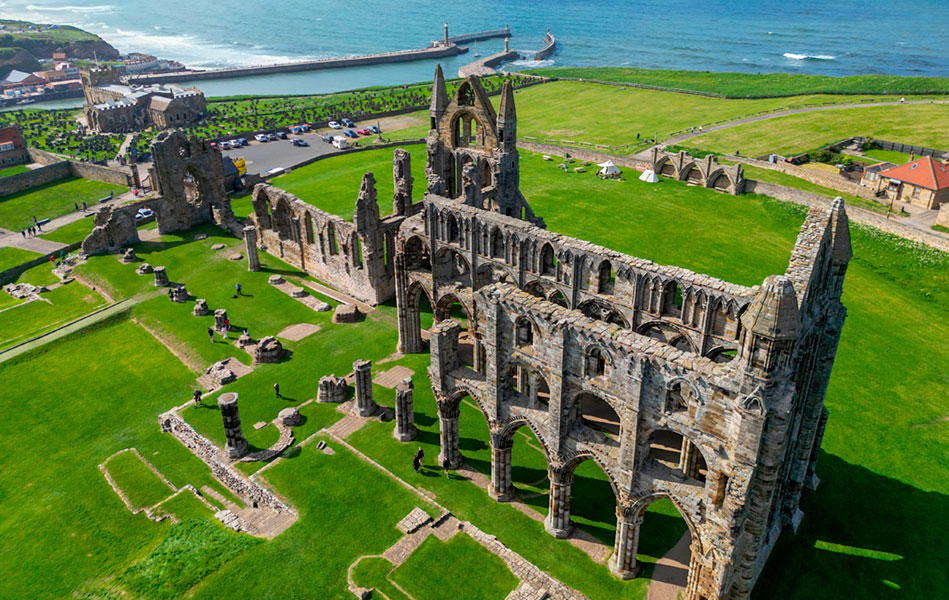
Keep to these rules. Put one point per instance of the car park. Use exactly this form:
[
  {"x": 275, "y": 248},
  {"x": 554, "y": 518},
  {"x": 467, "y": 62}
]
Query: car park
[
  {"x": 334, "y": 125},
  {"x": 261, "y": 137},
  {"x": 271, "y": 136},
  {"x": 243, "y": 141},
  {"x": 364, "y": 132},
  {"x": 340, "y": 142},
  {"x": 235, "y": 144}
]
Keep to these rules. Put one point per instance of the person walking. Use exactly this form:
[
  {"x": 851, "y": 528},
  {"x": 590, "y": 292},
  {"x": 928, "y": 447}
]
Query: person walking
[
  {"x": 227, "y": 327},
  {"x": 276, "y": 389},
  {"x": 76, "y": 205},
  {"x": 197, "y": 398},
  {"x": 419, "y": 455},
  {"x": 237, "y": 286},
  {"x": 416, "y": 463},
  {"x": 211, "y": 334},
  {"x": 446, "y": 464},
  {"x": 34, "y": 219},
  {"x": 83, "y": 206},
  {"x": 23, "y": 232}
]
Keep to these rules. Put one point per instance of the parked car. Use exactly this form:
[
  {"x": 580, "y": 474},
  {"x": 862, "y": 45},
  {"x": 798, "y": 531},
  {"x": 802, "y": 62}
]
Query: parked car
[
  {"x": 334, "y": 125},
  {"x": 327, "y": 138},
  {"x": 236, "y": 144},
  {"x": 348, "y": 122},
  {"x": 271, "y": 136},
  {"x": 350, "y": 133},
  {"x": 364, "y": 132},
  {"x": 261, "y": 138},
  {"x": 375, "y": 129},
  {"x": 304, "y": 128},
  {"x": 282, "y": 135},
  {"x": 143, "y": 213},
  {"x": 299, "y": 142},
  {"x": 340, "y": 142},
  {"x": 243, "y": 141},
  {"x": 224, "y": 145}
]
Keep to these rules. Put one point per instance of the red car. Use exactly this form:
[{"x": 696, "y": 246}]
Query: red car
[{"x": 364, "y": 132}]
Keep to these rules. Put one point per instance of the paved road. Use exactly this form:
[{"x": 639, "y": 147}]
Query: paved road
[{"x": 645, "y": 154}]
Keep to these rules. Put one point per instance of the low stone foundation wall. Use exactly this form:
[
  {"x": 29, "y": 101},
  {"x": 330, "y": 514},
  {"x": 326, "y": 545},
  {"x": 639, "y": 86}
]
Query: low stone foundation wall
[
  {"x": 585, "y": 155},
  {"x": 12, "y": 184},
  {"x": 56, "y": 168},
  {"x": 249, "y": 491},
  {"x": 14, "y": 272}
]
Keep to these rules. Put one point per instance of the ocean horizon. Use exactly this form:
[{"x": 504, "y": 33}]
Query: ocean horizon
[{"x": 750, "y": 36}]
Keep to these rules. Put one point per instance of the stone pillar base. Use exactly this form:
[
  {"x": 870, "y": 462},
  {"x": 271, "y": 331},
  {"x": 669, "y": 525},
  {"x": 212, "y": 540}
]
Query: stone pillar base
[
  {"x": 624, "y": 574},
  {"x": 503, "y": 497},
  {"x": 558, "y": 532},
  {"x": 453, "y": 463},
  {"x": 405, "y": 436},
  {"x": 235, "y": 452}
]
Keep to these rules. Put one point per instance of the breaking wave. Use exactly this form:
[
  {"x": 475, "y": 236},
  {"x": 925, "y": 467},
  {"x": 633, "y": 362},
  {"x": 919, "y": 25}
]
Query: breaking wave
[
  {"x": 70, "y": 8},
  {"x": 793, "y": 56}
]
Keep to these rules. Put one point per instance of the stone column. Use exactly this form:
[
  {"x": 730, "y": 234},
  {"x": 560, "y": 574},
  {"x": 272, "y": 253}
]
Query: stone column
[
  {"x": 501, "y": 488},
  {"x": 161, "y": 278},
  {"x": 523, "y": 381},
  {"x": 477, "y": 355},
  {"x": 448, "y": 434},
  {"x": 558, "y": 522},
  {"x": 623, "y": 561},
  {"x": 220, "y": 316},
  {"x": 236, "y": 446},
  {"x": 250, "y": 243},
  {"x": 365, "y": 406},
  {"x": 405, "y": 430},
  {"x": 410, "y": 333}
]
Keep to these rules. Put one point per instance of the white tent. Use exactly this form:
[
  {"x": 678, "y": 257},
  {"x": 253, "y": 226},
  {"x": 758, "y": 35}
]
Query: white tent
[
  {"x": 649, "y": 176},
  {"x": 608, "y": 169}
]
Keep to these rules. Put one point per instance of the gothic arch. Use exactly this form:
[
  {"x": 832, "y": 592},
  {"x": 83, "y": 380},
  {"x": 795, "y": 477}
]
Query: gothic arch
[
  {"x": 668, "y": 334},
  {"x": 442, "y": 308},
  {"x": 602, "y": 311}
]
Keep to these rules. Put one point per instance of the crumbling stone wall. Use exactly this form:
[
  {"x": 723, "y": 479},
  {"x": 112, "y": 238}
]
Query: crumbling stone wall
[
  {"x": 357, "y": 257},
  {"x": 705, "y": 172},
  {"x": 115, "y": 228}
]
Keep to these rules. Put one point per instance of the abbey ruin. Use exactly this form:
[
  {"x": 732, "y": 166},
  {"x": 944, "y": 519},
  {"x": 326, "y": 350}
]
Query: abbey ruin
[{"x": 676, "y": 384}]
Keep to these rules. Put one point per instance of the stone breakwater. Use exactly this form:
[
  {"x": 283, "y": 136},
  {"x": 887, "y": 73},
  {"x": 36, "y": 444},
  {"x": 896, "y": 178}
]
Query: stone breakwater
[
  {"x": 251, "y": 492},
  {"x": 308, "y": 65}
]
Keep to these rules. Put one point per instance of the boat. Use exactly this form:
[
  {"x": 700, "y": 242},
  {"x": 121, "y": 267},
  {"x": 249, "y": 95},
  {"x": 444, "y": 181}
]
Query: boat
[
  {"x": 476, "y": 53},
  {"x": 26, "y": 101}
]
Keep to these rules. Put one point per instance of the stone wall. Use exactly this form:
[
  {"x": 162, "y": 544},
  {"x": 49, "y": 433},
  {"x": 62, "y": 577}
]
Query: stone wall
[
  {"x": 943, "y": 217},
  {"x": 823, "y": 178},
  {"x": 56, "y": 168},
  {"x": 856, "y": 214},
  {"x": 251, "y": 492},
  {"x": 12, "y": 184}
]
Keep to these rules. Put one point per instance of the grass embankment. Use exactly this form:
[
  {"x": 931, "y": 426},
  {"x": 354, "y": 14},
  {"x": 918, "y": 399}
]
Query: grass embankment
[
  {"x": 55, "y": 308},
  {"x": 921, "y": 124},
  {"x": 742, "y": 85},
  {"x": 51, "y": 200}
]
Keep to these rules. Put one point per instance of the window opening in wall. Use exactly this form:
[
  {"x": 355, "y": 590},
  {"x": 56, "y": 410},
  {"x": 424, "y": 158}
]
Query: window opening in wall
[
  {"x": 595, "y": 363},
  {"x": 548, "y": 261},
  {"x": 597, "y": 414},
  {"x": 524, "y": 333},
  {"x": 677, "y": 297},
  {"x": 676, "y": 400},
  {"x": 357, "y": 252},
  {"x": 606, "y": 278}
]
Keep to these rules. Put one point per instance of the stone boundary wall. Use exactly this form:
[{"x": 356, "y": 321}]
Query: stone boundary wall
[
  {"x": 814, "y": 176},
  {"x": 56, "y": 168},
  {"x": 249, "y": 491},
  {"x": 13, "y": 272},
  {"x": 49, "y": 173},
  {"x": 855, "y": 213},
  {"x": 586, "y": 155}
]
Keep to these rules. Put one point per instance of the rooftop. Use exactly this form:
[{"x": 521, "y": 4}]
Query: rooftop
[{"x": 924, "y": 172}]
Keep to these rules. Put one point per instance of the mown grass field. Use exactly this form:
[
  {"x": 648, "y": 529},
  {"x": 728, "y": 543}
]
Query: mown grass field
[
  {"x": 740, "y": 85},
  {"x": 14, "y": 170},
  {"x": 920, "y": 124},
  {"x": 883, "y": 453},
  {"x": 51, "y": 200}
]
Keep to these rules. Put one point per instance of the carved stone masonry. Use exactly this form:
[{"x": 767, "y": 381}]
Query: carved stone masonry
[
  {"x": 405, "y": 430},
  {"x": 236, "y": 446},
  {"x": 365, "y": 406}
]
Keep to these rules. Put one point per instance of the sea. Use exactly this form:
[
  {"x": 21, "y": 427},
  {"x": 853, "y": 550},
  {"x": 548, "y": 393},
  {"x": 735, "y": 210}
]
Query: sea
[{"x": 898, "y": 37}]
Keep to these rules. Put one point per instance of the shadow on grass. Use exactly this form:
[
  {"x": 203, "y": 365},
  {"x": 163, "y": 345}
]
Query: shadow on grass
[{"x": 884, "y": 536}]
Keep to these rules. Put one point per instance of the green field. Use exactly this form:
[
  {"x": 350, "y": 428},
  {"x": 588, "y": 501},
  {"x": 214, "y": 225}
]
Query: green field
[
  {"x": 767, "y": 175},
  {"x": 494, "y": 581},
  {"x": 73, "y": 232},
  {"x": 897, "y": 158},
  {"x": 741, "y": 85},
  {"x": 11, "y": 257},
  {"x": 139, "y": 484},
  {"x": 920, "y": 124},
  {"x": 57, "y": 307},
  {"x": 333, "y": 183},
  {"x": 14, "y": 170},
  {"x": 51, "y": 200}
]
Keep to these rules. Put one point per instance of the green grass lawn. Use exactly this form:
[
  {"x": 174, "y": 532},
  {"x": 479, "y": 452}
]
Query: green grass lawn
[
  {"x": 333, "y": 184},
  {"x": 767, "y": 175},
  {"x": 51, "y": 200},
  {"x": 494, "y": 581},
  {"x": 73, "y": 232},
  {"x": 54, "y": 308},
  {"x": 897, "y": 158},
  {"x": 78, "y": 401},
  {"x": 139, "y": 484},
  {"x": 920, "y": 124},
  {"x": 739, "y": 85},
  {"x": 11, "y": 257},
  {"x": 14, "y": 170}
]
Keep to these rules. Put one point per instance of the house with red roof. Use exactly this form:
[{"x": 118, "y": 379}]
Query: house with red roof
[
  {"x": 12, "y": 148},
  {"x": 923, "y": 182}
]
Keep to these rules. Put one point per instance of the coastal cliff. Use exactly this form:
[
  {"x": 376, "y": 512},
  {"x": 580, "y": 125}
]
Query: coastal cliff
[{"x": 41, "y": 41}]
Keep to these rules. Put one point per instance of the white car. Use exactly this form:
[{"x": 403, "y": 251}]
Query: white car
[
  {"x": 224, "y": 145},
  {"x": 143, "y": 213},
  {"x": 334, "y": 125},
  {"x": 260, "y": 137},
  {"x": 235, "y": 144}
]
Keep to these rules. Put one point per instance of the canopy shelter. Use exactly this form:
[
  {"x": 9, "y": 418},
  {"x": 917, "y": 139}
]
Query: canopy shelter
[
  {"x": 649, "y": 176},
  {"x": 608, "y": 168}
]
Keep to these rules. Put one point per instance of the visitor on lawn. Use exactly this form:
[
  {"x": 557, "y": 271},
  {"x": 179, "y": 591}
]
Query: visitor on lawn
[
  {"x": 211, "y": 334},
  {"x": 276, "y": 389}
]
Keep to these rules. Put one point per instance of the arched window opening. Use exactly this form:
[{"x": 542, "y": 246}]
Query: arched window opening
[
  {"x": 672, "y": 455},
  {"x": 485, "y": 173},
  {"x": 594, "y": 364},
  {"x": 357, "y": 251},
  {"x": 672, "y": 305},
  {"x": 558, "y": 299},
  {"x": 548, "y": 261},
  {"x": 497, "y": 244},
  {"x": 451, "y": 265},
  {"x": 606, "y": 278},
  {"x": 663, "y": 527},
  {"x": 677, "y": 397},
  {"x": 331, "y": 238},
  {"x": 416, "y": 255},
  {"x": 524, "y": 332},
  {"x": 454, "y": 234},
  {"x": 695, "y": 176},
  {"x": 597, "y": 414},
  {"x": 308, "y": 221}
]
